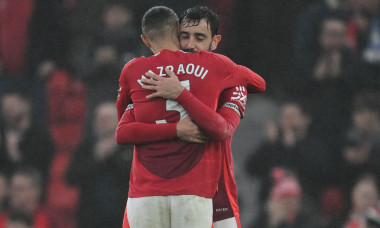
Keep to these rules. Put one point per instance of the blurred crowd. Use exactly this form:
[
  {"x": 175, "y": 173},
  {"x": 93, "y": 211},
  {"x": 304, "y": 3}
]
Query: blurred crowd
[{"x": 307, "y": 153}]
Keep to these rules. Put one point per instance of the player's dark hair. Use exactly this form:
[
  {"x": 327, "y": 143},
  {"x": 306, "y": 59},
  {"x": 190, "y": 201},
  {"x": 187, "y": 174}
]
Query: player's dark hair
[
  {"x": 159, "y": 22},
  {"x": 192, "y": 17}
]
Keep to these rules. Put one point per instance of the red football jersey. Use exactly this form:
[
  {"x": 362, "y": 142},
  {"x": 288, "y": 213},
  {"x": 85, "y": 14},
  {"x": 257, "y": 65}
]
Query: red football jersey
[
  {"x": 174, "y": 167},
  {"x": 225, "y": 202}
]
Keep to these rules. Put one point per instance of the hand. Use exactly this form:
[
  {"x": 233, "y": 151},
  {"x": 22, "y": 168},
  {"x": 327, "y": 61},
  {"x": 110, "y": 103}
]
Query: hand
[
  {"x": 188, "y": 131},
  {"x": 165, "y": 87}
]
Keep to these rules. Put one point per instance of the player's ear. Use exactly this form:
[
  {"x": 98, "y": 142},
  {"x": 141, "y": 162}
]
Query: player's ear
[
  {"x": 215, "y": 41},
  {"x": 146, "y": 41}
]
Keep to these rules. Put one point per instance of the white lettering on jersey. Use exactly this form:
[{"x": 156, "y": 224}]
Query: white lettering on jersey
[
  {"x": 161, "y": 68},
  {"x": 239, "y": 95},
  {"x": 190, "y": 68},
  {"x": 139, "y": 80},
  {"x": 181, "y": 70},
  {"x": 196, "y": 70}
]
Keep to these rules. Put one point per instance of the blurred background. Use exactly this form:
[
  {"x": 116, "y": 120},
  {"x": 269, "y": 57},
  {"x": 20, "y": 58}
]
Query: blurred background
[{"x": 306, "y": 154}]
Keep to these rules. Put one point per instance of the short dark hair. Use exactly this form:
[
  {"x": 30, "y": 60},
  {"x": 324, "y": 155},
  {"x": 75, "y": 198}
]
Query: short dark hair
[
  {"x": 159, "y": 22},
  {"x": 195, "y": 14}
]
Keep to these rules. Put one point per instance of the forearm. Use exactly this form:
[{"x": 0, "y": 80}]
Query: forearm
[
  {"x": 139, "y": 133},
  {"x": 218, "y": 126}
]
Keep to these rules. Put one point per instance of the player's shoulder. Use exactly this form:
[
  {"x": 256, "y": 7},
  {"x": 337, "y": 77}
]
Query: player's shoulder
[
  {"x": 135, "y": 61},
  {"x": 217, "y": 57}
]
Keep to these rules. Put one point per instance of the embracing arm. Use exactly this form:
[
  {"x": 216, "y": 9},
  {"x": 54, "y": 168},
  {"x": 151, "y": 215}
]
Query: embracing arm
[
  {"x": 131, "y": 132},
  {"x": 218, "y": 126}
]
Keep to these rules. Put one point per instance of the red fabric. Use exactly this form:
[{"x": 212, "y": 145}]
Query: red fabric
[
  {"x": 352, "y": 34},
  {"x": 199, "y": 71},
  {"x": 213, "y": 123},
  {"x": 14, "y": 21},
  {"x": 234, "y": 75},
  {"x": 353, "y": 224},
  {"x": 226, "y": 197},
  {"x": 125, "y": 220},
  {"x": 131, "y": 132},
  {"x": 62, "y": 199},
  {"x": 284, "y": 186},
  {"x": 332, "y": 200},
  {"x": 40, "y": 217},
  {"x": 66, "y": 108}
]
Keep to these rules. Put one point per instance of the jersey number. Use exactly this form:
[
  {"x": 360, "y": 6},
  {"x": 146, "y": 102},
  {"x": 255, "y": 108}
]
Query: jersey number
[{"x": 174, "y": 106}]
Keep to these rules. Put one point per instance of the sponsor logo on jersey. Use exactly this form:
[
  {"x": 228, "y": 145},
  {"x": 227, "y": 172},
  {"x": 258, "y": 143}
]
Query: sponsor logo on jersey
[{"x": 233, "y": 106}]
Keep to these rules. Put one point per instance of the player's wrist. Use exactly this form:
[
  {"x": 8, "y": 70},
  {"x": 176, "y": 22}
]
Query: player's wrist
[
  {"x": 178, "y": 92},
  {"x": 183, "y": 96}
]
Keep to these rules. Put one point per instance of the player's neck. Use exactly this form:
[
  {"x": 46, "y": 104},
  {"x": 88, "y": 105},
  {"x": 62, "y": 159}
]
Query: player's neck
[{"x": 169, "y": 44}]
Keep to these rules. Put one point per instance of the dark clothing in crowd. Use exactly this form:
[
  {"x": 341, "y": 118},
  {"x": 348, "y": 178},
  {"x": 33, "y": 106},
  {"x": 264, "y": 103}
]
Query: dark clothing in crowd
[
  {"x": 309, "y": 159},
  {"x": 36, "y": 150},
  {"x": 103, "y": 186},
  {"x": 302, "y": 220}
]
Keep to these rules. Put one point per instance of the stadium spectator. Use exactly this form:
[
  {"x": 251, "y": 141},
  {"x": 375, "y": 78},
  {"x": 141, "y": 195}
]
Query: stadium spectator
[
  {"x": 24, "y": 50},
  {"x": 284, "y": 206},
  {"x": 3, "y": 191},
  {"x": 290, "y": 145},
  {"x": 329, "y": 81},
  {"x": 366, "y": 114},
  {"x": 103, "y": 55},
  {"x": 363, "y": 209},
  {"x": 23, "y": 142},
  {"x": 19, "y": 220},
  {"x": 25, "y": 195},
  {"x": 269, "y": 26},
  {"x": 100, "y": 168},
  {"x": 361, "y": 148},
  {"x": 363, "y": 34},
  {"x": 307, "y": 31}
]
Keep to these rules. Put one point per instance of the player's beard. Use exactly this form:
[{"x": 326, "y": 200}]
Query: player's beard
[{"x": 193, "y": 51}]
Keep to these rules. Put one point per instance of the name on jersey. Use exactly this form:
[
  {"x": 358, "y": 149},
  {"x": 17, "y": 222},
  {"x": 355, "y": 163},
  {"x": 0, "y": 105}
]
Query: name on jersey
[{"x": 190, "y": 69}]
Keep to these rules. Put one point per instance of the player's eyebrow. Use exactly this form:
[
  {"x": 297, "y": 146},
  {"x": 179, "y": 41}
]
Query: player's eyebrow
[
  {"x": 183, "y": 33},
  {"x": 200, "y": 34}
]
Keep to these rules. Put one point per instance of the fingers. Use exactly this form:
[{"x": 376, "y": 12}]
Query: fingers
[
  {"x": 152, "y": 75},
  {"x": 149, "y": 87},
  {"x": 153, "y": 95},
  {"x": 169, "y": 72},
  {"x": 199, "y": 141}
]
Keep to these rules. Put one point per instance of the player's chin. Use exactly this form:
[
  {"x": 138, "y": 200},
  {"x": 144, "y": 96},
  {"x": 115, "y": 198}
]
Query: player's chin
[{"x": 189, "y": 50}]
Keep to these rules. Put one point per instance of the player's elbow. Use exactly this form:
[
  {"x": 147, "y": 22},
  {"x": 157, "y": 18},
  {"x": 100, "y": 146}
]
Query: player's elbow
[
  {"x": 122, "y": 136},
  {"x": 263, "y": 86},
  {"x": 222, "y": 134}
]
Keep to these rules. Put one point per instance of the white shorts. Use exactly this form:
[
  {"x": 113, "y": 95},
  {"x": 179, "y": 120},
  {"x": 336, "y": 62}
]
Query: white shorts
[
  {"x": 226, "y": 223},
  {"x": 184, "y": 211}
]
